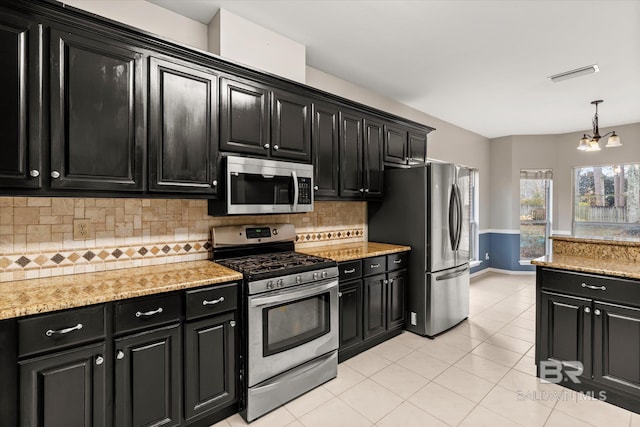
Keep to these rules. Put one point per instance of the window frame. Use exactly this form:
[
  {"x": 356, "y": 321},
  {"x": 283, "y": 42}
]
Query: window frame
[{"x": 545, "y": 175}]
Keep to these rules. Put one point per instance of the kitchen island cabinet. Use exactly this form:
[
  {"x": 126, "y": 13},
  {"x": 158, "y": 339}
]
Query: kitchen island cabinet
[{"x": 588, "y": 326}]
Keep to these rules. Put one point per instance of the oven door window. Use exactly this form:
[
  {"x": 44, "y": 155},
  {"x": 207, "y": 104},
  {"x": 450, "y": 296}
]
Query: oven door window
[
  {"x": 294, "y": 323},
  {"x": 255, "y": 189}
]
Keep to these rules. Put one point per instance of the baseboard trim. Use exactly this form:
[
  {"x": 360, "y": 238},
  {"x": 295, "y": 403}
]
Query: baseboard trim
[{"x": 501, "y": 271}]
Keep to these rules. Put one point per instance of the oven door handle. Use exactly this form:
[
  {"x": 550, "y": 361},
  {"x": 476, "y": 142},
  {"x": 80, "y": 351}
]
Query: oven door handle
[
  {"x": 296, "y": 189},
  {"x": 293, "y": 295}
]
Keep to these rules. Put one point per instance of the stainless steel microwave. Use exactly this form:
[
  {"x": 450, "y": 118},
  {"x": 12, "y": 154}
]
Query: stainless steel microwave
[{"x": 259, "y": 186}]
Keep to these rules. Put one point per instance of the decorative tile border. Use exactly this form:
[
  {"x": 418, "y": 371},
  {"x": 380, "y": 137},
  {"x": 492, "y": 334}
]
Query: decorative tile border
[{"x": 330, "y": 236}]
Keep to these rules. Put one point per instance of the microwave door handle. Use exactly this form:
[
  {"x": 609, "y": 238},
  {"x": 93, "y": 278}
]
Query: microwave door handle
[{"x": 296, "y": 189}]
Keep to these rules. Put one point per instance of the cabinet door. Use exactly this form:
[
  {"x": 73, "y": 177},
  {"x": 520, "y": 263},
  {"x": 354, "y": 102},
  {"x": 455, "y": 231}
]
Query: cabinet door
[
  {"x": 244, "y": 118},
  {"x": 565, "y": 330},
  {"x": 210, "y": 364},
  {"x": 417, "y": 147},
  {"x": 291, "y": 126},
  {"x": 183, "y": 131},
  {"x": 64, "y": 389},
  {"x": 375, "y": 305},
  {"x": 373, "y": 158},
  {"x": 395, "y": 299},
  {"x": 395, "y": 144},
  {"x": 325, "y": 150},
  {"x": 350, "y": 314},
  {"x": 616, "y": 346},
  {"x": 98, "y": 130},
  {"x": 20, "y": 102},
  {"x": 351, "y": 163},
  {"x": 148, "y": 378}
]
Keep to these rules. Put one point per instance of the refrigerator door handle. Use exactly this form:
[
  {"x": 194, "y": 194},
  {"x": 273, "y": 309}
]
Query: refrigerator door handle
[
  {"x": 459, "y": 227},
  {"x": 453, "y": 274},
  {"x": 453, "y": 233}
]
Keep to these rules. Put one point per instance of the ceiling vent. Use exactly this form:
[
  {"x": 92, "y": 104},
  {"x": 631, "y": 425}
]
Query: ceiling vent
[{"x": 575, "y": 73}]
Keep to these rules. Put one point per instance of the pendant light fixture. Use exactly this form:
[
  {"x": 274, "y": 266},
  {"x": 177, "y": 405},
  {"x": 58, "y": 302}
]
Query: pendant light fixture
[{"x": 590, "y": 142}]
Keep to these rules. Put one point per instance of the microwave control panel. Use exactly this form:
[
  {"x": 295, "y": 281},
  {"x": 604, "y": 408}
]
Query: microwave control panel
[{"x": 304, "y": 193}]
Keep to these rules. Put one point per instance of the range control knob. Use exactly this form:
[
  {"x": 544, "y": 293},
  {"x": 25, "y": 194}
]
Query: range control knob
[
  {"x": 270, "y": 284},
  {"x": 324, "y": 274},
  {"x": 280, "y": 283},
  {"x": 274, "y": 231},
  {"x": 315, "y": 276},
  {"x": 298, "y": 279}
]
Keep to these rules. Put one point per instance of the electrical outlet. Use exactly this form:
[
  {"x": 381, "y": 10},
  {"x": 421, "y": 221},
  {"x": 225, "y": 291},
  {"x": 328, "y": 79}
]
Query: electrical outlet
[
  {"x": 486, "y": 256},
  {"x": 81, "y": 229},
  {"x": 414, "y": 318}
]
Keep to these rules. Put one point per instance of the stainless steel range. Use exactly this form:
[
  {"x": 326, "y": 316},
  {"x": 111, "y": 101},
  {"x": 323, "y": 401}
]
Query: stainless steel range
[{"x": 290, "y": 313}]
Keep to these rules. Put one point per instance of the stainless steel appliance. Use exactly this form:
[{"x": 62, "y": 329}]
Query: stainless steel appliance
[
  {"x": 290, "y": 305},
  {"x": 427, "y": 208},
  {"x": 259, "y": 186}
]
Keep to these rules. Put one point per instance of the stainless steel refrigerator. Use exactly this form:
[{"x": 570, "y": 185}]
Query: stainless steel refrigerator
[{"x": 427, "y": 208}]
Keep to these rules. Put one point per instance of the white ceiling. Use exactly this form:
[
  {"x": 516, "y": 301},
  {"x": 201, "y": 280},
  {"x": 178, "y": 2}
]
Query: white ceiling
[{"x": 482, "y": 65}]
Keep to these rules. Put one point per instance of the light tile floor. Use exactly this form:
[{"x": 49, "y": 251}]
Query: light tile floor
[{"x": 480, "y": 373}]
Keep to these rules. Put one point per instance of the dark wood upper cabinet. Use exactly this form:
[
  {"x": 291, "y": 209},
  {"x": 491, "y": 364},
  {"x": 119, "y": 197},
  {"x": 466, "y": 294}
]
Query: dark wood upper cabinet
[
  {"x": 351, "y": 161},
  {"x": 395, "y": 144},
  {"x": 291, "y": 126},
  {"x": 244, "y": 118},
  {"x": 325, "y": 143},
  {"x": 98, "y": 129},
  {"x": 20, "y": 102},
  {"x": 417, "y": 147},
  {"x": 183, "y": 127},
  {"x": 373, "y": 158}
]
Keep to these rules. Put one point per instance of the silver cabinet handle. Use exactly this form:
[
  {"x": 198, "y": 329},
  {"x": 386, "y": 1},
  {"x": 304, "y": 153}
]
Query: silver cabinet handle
[
  {"x": 99, "y": 360},
  {"x": 34, "y": 173},
  {"x": 266, "y": 146},
  {"x": 375, "y": 265},
  {"x": 597, "y": 288},
  {"x": 587, "y": 310},
  {"x": 361, "y": 190},
  {"x": 596, "y": 312},
  {"x": 339, "y": 294},
  {"x": 390, "y": 280},
  {"x": 149, "y": 313},
  {"x": 366, "y": 190},
  {"x": 214, "y": 183},
  {"x": 232, "y": 323},
  {"x": 55, "y": 174},
  {"x": 63, "y": 331},
  {"x": 212, "y": 302},
  {"x": 315, "y": 187},
  {"x": 397, "y": 261},
  {"x": 276, "y": 147},
  {"x": 353, "y": 270},
  {"x": 385, "y": 281},
  {"x": 120, "y": 355}
]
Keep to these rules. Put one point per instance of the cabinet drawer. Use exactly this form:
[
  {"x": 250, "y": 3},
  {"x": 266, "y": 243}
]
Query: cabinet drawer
[
  {"x": 592, "y": 286},
  {"x": 52, "y": 331},
  {"x": 146, "y": 312},
  {"x": 374, "y": 265},
  {"x": 211, "y": 300},
  {"x": 396, "y": 261},
  {"x": 350, "y": 270}
]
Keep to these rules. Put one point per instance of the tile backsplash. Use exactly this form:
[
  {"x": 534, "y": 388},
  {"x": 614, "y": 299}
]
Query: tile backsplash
[{"x": 37, "y": 233}]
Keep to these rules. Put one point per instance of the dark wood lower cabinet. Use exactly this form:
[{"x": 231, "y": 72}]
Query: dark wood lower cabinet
[
  {"x": 210, "y": 365},
  {"x": 375, "y": 305},
  {"x": 350, "y": 314},
  {"x": 64, "y": 389},
  {"x": 148, "y": 378},
  {"x": 396, "y": 289}
]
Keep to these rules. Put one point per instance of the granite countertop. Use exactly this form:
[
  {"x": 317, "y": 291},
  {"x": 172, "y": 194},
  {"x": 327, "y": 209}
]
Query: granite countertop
[
  {"x": 352, "y": 251},
  {"x": 609, "y": 267},
  {"x": 25, "y": 297},
  {"x": 599, "y": 241}
]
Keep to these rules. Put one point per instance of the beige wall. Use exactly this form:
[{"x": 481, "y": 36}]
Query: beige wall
[{"x": 558, "y": 152}]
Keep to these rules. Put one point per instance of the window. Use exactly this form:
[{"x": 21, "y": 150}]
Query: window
[
  {"x": 474, "y": 244},
  {"x": 535, "y": 212},
  {"x": 606, "y": 202}
]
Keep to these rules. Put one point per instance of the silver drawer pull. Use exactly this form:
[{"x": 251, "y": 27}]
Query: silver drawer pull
[
  {"x": 120, "y": 355},
  {"x": 149, "y": 313},
  {"x": 397, "y": 261},
  {"x": 597, "y": 288},
  {"x": 596, "y": 312},
  {"x": 51, "y": 332},
  {"x": 99, "y": 360},
  {"x": 587, "y": 310},
  {"x": 375, "y": 265},
  {"x": 353, "y": 270},
  {"x": 212, "y": 302}
]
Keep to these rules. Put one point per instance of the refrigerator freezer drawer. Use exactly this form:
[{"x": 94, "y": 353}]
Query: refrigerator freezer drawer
[{"x": 448, "y": 300}]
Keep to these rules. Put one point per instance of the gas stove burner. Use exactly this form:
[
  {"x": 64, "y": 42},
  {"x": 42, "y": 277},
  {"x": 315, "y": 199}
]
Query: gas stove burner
[{"x": 256, "y": 267}]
